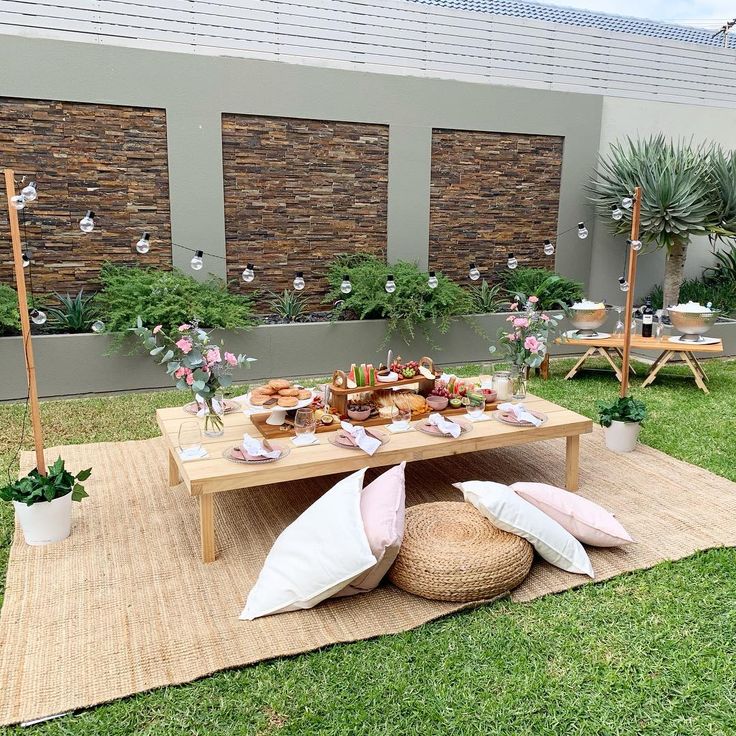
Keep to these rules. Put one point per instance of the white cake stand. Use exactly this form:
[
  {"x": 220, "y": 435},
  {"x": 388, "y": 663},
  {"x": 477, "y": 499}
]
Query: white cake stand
[{"x": 278, "y": 413}]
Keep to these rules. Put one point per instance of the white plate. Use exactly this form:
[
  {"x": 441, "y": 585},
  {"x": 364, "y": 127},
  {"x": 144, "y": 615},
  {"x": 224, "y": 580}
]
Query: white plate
[
  {"x": 572, "y": 335},
  {"x": 705, "y": 341}
]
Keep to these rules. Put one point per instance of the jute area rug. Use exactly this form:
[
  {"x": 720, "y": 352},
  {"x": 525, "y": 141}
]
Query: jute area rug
[{"x": 124, "y": 605}]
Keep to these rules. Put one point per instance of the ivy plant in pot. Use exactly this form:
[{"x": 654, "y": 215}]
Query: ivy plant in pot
[
  {"x": 43, "y": 503},
  {"x": 621, "y": 421}
]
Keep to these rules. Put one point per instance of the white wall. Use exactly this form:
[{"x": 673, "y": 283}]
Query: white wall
[{"x": 623, "y": 118}]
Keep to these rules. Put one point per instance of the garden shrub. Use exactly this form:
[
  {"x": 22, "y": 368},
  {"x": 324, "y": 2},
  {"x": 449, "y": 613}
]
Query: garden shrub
[
  {"x": 553, "y": 290},
  {"x": 168, "y": 298},
  {"x": 722, "y": 294},
  {"x": 9, "y": 317},
  {"x": 413, "y": 305}
]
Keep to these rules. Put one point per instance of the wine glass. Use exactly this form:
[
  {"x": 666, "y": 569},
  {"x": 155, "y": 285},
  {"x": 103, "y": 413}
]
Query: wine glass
[
  {"x": 190, "y": 437},
  {"x": 305, "y": 425},
  {"x": 659, "y": 329},
  {"x": 618, "y": 330},
  {"x": 401, "y": 416},
  {"x": 486, "y": 375}
]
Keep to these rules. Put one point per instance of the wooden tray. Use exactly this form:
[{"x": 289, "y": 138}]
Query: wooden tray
[{"x": 285, "y": 430}]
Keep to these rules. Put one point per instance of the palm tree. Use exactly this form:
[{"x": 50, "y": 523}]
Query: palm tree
[{"x": 687, "y": 191}]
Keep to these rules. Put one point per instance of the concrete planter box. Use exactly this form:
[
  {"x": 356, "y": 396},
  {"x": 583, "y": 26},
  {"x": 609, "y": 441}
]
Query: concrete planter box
[{"x": 79, "y": 364}]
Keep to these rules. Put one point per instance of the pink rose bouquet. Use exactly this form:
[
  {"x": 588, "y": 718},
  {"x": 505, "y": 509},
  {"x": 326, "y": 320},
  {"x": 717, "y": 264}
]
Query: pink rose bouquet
[{"x": 195, "y": 363}]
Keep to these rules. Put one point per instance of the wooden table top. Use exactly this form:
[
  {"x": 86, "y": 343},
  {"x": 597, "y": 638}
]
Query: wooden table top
[
  {"x": 214, "y": 473},
  {"x": 643, "y": 343}
]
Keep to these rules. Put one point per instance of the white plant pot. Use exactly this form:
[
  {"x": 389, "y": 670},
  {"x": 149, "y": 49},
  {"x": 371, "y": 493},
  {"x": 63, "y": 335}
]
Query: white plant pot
[
  {"x": 47, "y": 521},
  {"x": 622, "y": 436}
]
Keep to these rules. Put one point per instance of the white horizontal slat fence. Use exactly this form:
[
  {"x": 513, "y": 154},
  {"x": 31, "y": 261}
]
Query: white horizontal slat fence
[{"x": 398, "y": 37}]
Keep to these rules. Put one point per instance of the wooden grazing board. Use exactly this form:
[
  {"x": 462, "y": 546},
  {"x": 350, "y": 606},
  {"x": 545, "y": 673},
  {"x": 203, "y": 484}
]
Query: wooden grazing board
[{"x": 271, "y": 431}]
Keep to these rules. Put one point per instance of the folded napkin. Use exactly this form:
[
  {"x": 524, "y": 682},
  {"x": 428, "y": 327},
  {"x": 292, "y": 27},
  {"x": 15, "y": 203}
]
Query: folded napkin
[
  {"x": 444, "y": 425},
  {"x": 362, "y": 439},
  {"x": 253, "y": 448},
  {"x": 446, "y": 377},
  {"x": 521, "y": 413},
  {"x": 194, "y": 453}
]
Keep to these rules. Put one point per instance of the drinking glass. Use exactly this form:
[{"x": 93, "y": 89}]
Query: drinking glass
[
  {"x": 659, "y": 329},
  {"x": 190, "y": 436},
  {"x": 475, "y": 407},
  {"x": 305, "y": 425},
  {"x": 486, "y": 375},
  {"x": 401, "y": 416}
]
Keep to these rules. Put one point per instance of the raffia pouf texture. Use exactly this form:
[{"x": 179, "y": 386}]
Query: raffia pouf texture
[{"x": 451, "y": 552}]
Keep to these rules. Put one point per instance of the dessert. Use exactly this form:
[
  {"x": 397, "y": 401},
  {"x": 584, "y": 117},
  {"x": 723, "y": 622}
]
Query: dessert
[
  {"x": 278, "y": 383},
  {"x": 288, "y": 401},
  {"x": 264, "y": 390},
  {"x": 290, "y": 392},
  {"x": 303, "y": 394},
  {"x": 262, "y": 400}
]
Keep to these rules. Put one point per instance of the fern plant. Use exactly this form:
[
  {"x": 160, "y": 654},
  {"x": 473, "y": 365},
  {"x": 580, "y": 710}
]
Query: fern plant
[
  {"x": 412, "y": 306},
  {"x": 553, "y": 290}
]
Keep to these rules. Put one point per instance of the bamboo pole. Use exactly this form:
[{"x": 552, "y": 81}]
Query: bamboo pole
[
  {"x": 631, "y": 278},
  {"x": 25, "y": 325}
]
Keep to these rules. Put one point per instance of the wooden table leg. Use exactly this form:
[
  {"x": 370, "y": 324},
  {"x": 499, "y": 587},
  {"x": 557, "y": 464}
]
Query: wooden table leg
[
  {"x": 698, "y": 366},
  {"x": 657, "y": 366},
  {"x": 578, "y": 365},
  {"x": 688, "y": 356},
  {"x": 604, "y": 352},
  {"x": 174, "y": 474},
  {"x": 572, "y": 462},
  {"x": 620, "y": 354},
  {"x": 207, "y": 526}
]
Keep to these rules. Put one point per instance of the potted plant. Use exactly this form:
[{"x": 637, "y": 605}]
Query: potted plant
[
  {"x": 621, "y": 421},
  {"x": 197, "y": 365},
  {"x": 43, "y": 503}
]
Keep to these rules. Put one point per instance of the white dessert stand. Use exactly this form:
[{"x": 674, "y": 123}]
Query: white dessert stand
[{"x": 278, "y": 413}]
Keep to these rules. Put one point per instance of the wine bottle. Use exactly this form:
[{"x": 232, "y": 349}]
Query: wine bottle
[{"x": 647, "y": 318}]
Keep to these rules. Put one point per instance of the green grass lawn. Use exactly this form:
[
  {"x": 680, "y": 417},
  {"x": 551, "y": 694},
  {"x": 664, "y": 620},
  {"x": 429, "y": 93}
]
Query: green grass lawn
[{"x": 652, "y": 652}]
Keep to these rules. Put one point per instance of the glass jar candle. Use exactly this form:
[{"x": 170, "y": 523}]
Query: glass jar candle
[{"x": 502, "y": 385}]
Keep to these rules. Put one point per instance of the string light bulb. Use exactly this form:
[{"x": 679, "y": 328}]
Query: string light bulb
[
  {"x": 549, "y": 248},
  {"x": 248, "y": 273},
  {"x": 390, "y": 284},
  {"x": 197, "y": 261},
  {"x": 346, "y": 287},
  {"x": 512, "y": 263},
  {"x": 626, "y": 202},
  {"x": 144, "y": 244},
  {"x": 623, "y": 284},
  {"x": 38, "y": 317},
  {"x": 582, "y": 231},
  {"x": 25, "y": 259},
  {"x": 299, "y": 283},
  {"x": 473, "y": 273},
  {"x": 432, "y": 281},
  {"x": 18, "y": 201},
  {"x": 98, "y": 326},
  {"x": 87, "y": 223},
  {"x": 29, "y": 191},
  {"x": 616, "y": 213},
  {"x": 635, "y": 244}
]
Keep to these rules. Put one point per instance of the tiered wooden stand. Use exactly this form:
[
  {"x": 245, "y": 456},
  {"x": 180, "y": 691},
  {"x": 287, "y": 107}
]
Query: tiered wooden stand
[{"x": 340, "y": 394}]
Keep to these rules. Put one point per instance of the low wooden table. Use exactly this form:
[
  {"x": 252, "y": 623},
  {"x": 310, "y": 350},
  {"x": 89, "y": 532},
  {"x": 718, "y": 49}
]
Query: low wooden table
[
  {"x": 214, "y": 474},
  {"x": 610, "y": 348}
]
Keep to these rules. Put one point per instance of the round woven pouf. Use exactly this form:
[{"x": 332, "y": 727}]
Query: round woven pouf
[{"x": 451, "y": 552}]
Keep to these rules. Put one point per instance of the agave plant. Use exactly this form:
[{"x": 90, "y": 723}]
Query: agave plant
[
  {"x": 290, "y": 306},
  {"x": 687, "y": 191},
  {"x": 75, "y": 313}
]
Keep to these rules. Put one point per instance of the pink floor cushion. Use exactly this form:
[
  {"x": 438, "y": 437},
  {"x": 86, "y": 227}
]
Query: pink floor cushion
[
  {"x": 382, "y": 506},
  {"x": 588, "y": 522}
]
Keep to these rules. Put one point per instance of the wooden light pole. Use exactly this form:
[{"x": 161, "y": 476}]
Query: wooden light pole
[
  {"x": 631, "y": 278},
  {"x": 25, "y": 325}
]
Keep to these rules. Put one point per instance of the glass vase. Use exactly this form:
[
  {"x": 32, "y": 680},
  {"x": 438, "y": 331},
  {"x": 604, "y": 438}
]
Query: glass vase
[
  {"x": 519, "y": 382},
  {"x": 214, "y": 416}
]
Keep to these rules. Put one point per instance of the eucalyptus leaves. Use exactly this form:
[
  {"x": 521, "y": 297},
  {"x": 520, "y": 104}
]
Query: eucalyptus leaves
[{"x": 193, "y": 361}]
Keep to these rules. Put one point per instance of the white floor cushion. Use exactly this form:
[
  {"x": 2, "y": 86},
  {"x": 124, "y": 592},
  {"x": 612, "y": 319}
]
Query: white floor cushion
[
  {"x": 318, "y": 554},
  {"x": 508, "y": 511}
]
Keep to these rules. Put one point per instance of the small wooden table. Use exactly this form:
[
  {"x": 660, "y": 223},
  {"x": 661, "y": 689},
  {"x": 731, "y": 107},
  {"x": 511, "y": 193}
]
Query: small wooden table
[
  {"x": 214, "y": 474},
  {"x": 611, "y": 348}
]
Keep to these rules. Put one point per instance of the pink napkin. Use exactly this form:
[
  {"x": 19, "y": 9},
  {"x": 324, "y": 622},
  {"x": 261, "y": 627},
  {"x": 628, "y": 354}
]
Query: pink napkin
[{"x": 367, "y": 442}]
